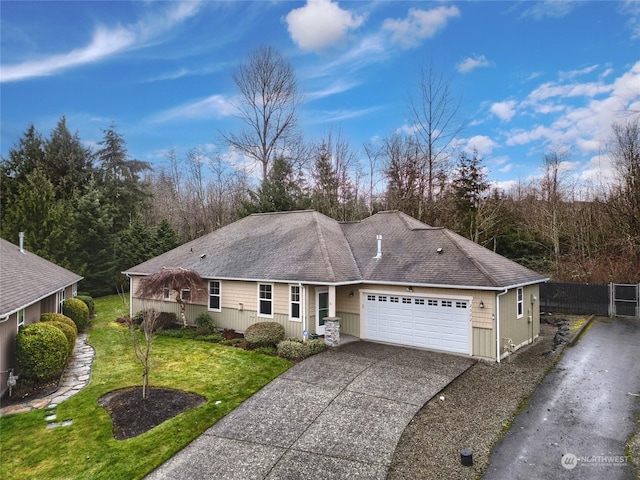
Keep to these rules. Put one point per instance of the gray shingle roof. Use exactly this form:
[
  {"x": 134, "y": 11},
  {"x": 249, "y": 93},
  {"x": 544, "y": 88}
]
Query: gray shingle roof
[
  {"x": 307, "y": 246},
  {"x": 26, "y": 278}
]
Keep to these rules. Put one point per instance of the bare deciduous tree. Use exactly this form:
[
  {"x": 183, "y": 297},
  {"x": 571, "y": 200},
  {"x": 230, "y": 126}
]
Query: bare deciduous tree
[
  {"x": 269, "y": 97},
  {"x": 142, "y": 347},
  {"x": 175, "y": 279},
  {"x": 434, "y": 113}
]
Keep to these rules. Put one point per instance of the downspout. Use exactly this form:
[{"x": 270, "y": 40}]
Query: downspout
[
  {"x": 498, "y": 324},
  {"x": 130, "y": 295},
  {"x": 303, "y": 297}
]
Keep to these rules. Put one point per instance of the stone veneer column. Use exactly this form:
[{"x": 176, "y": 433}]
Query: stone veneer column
[{"x": 332, "y": 331}]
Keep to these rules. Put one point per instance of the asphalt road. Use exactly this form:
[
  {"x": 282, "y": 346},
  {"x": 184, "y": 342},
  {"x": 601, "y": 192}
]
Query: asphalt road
[{"x": 578, "y": 420}]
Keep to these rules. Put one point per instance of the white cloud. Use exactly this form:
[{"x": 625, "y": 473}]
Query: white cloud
[
  {"x": 339, "y": 86},
  {"x": 549, "y": 8},
  {"x": 105, "y": 42},
  {"x": 483, "y": 144},
  {"x": 419, "y": 25},
  {"x": 504, "y": 110},
  {"x": 215, "y": 106},
  {"x": 469, "y": 64},
  {"x": 576, "y": 73},
  {"x": 320, "y": 24}
]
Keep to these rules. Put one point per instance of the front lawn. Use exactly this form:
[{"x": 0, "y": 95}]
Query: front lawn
[{"x": 86, "y": 449}]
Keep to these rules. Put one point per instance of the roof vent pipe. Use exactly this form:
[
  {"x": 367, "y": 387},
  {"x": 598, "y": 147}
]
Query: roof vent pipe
[
  {"x": 21, "y": 235},
  {"x": 379, "y": 239}
]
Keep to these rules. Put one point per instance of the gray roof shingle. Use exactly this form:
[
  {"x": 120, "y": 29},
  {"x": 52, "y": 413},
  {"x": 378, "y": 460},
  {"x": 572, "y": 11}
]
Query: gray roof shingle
[
  {"x": 307, "y": 246},
  {"x": 26, "y": 278}
]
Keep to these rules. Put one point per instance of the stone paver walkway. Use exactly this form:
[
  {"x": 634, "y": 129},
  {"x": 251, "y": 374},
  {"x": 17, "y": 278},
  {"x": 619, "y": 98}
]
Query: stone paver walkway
[{"x": 76, "y": 376}]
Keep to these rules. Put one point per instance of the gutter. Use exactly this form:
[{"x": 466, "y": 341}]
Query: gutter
[
  {"x": 498, "y": 323},
  {"x": 4, "y": 316},
  {"x": 363, "y": 281}
]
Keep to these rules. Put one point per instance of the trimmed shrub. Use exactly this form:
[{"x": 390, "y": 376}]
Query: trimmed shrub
[
  {"x": 264, "y": 334},
  {"x": 58, "y": 317},
  {"x": 166, "y": 319},
  {"x": 42, "y": 351},
  {"x": 292, "y": 350},
  {"x": 69, "y": 331},
  {"x": 77, "y": 311},
  {"x": 204, "y": 320},
  {"x": 91, "y": 305},
  {"x": 316, "y": 346}
]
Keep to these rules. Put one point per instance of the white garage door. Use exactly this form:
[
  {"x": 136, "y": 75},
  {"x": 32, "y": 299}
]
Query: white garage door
[{"x": 437, "y": 323}]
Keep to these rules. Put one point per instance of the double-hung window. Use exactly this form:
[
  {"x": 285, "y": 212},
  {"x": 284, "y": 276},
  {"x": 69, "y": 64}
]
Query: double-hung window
[
  {"x": 214, "y": 296},
  {"x": 520, "y": 303},
  {"x": 20, "y": 318},
  {"x": 294, "y": 296},
  {"x": 185, "y": 295},
  {"x": 60, "y": 301},
  {"x": 265, "y": 300}
]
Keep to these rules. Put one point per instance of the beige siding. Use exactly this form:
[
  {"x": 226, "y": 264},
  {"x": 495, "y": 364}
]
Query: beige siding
[
  {"x": 484, "y": 343},
  {"x": 519, "y": 330},
  {"x": 349, "y": 323},
  {"x": 8, "y": 331}
]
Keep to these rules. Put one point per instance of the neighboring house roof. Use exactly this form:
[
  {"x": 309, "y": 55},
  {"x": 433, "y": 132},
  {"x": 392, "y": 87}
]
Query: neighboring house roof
[
  {"x": 306, "y": 246},
  {"x": 26, "y": 278}
]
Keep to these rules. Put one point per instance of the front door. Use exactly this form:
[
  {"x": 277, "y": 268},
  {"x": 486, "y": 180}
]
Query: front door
[{"x": 322, "y": 307}]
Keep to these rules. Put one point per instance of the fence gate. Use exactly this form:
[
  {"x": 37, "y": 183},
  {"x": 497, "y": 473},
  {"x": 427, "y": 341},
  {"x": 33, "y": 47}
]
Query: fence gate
[{"x": 624, "y": 300}]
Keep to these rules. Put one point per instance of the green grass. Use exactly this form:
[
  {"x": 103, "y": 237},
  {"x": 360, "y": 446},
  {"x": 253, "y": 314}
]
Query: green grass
[{"x": 87, "y": 450}]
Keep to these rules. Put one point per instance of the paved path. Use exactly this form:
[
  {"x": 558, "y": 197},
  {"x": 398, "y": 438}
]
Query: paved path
[
  {"x": 336, "y": 415},
  {"x": 579, "y": 418},
  {"x": 76, "y": 376}
]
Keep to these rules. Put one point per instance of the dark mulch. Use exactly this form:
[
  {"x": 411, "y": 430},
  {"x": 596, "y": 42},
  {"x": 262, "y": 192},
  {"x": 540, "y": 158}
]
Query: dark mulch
[
  {"x": 26, "y": 390},
  {"x": 132, "y": 416}
]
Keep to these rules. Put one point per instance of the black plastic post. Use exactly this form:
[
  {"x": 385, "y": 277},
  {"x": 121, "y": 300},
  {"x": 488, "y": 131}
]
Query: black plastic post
[{"x": 466, "y": 457}]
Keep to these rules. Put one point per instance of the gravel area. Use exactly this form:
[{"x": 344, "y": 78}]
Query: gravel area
[{"x": 478, "y": 407}]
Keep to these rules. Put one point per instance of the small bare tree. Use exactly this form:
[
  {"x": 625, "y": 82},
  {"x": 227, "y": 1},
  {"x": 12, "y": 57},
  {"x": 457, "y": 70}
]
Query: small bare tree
[
  {"x": 173, "y": 279},
  {"x": 142, "y": 347}
]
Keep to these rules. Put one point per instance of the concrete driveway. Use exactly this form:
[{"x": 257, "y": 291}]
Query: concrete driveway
[
  {"x": 579, "y": 418},
  {"x": 336, "y": 415}
]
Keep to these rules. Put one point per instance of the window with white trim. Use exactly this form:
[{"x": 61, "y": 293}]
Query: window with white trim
[
  {"x": 214, "y": 296},
  {"x": 265, "y": 300},
  {"x": 406, "y": 300},
  {"x": 166, "y": 293},
  {"x": 432, "y": 303},
  {"x": 371, "y": 298},
  {"x": 185, "y": 295},
  {"x": 447, "y": 303},
  {"x": 520, "y": 302},
  {"x": 20, "y": 318},
  {"x": 418, "y": 301},
  {"x": 74, "y": 290},
  {"x": 294, "y": 302},
  {"x": 60, "y": 300},
  {"x": 394, "y": 299}
]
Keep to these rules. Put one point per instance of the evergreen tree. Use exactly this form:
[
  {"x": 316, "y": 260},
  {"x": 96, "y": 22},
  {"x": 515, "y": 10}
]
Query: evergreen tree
[
  {"x": 469, "y": 185},
  {"x": 120, "y": 178},
  {"x": 165, "y": 238},
  {"x": 280, "y": 191},
  {"x": 94, "y": 219},
  {"x": 23, "y": 159},
  {"x": 47, "y": 222},
  {"x": 68, "y": 165}
]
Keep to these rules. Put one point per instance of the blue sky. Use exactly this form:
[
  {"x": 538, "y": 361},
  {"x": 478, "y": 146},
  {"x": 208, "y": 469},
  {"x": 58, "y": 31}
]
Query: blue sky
[{"x": 532, "y": 76}]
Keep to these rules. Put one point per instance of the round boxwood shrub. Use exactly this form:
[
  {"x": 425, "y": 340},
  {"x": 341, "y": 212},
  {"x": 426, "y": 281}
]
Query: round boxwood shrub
[
  {"x": 77, "y": 311},
  {"x": 41, "y": 350},
  {"x": 292, "y": 350},
  {"x": 58, "y": 317},
  {"x": 264, "y": 334},
  {"x": 69, "y": 331},
  {"x": 88, "y": 300}
]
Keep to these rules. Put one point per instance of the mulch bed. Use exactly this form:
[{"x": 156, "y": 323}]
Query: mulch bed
[
  {"x": 26, "y": 390},
  {"x": 133, "y": 416}
]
